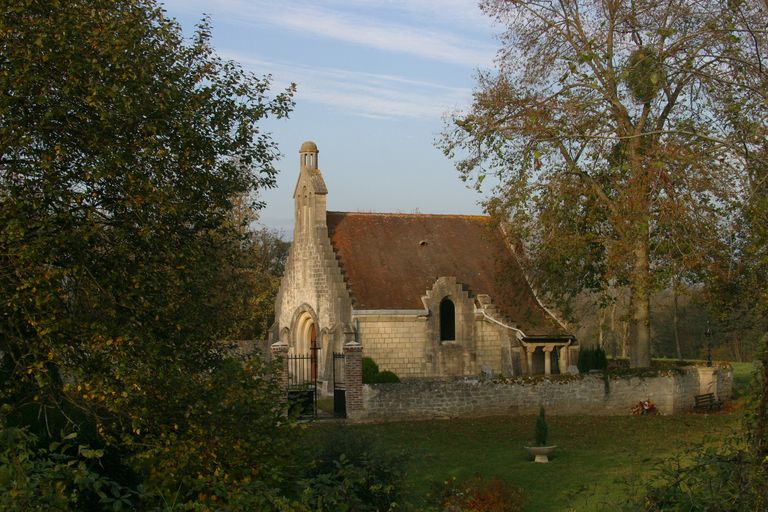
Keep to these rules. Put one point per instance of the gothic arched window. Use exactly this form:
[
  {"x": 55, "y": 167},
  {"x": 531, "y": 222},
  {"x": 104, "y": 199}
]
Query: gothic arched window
[{"x": 447, "y": 320}]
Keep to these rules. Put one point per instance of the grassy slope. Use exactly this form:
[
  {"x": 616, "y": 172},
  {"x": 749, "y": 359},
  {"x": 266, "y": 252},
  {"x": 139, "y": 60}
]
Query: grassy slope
[{"x": 594, "y": 459}]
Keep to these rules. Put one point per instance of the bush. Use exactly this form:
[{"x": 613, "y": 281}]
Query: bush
[
  {"x": 352, "y": 472},
  {"x": 707, "y": 479},
  {"x": 478, "y": 495},
  {"x": 371, "y": 374},
  {"x": 370, "y": 370},
  {"x": 387, "y": 377},
  {"x": 61, "y": 475},
  {"x": 592, "y": 359}
]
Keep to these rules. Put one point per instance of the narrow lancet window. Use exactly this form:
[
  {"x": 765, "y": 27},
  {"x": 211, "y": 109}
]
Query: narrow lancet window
[{"x": 447, "y": 320}]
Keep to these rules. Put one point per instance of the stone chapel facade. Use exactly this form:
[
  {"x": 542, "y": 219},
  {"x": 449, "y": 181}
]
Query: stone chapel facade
[{"x": 425, "y": 295}]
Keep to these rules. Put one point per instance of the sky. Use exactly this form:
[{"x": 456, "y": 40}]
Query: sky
[{"x": 375, "y": 80}]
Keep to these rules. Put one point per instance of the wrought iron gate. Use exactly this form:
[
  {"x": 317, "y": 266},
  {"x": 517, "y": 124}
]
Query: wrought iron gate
[
  {"x": 302, "y": 383},
  {"x": 339, "y": 388}
]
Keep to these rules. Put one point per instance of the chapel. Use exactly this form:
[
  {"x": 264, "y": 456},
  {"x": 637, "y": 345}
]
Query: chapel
[{"x": 424, "y": 295}]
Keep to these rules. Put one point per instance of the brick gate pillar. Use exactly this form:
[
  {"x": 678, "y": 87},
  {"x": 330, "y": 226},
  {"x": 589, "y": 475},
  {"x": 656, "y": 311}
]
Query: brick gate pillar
[
  {"x": 280, "y": 354},
  {"x": 353, "y": 377}
]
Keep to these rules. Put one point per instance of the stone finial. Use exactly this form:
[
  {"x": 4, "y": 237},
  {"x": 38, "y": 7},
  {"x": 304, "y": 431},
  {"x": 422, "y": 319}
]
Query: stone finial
[
  {"x": 279, "y": 346},
  {"x": 353, "y": 345}
]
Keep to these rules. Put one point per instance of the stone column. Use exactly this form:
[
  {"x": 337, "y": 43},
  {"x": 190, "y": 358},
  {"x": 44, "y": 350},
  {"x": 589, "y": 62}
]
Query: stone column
[
  {"x": 529, "y": 357},
  {"x": 353, "y": 377},
  {"x": 548, "y": 358},
  {"x": 562, "y": 361}
]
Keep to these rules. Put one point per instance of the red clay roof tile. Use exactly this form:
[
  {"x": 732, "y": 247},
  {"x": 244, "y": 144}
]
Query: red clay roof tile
[{"x": 390, "y": 260}]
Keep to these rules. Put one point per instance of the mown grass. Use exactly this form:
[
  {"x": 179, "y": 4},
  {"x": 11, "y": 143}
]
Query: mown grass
[{"x": 597, "y": 459}]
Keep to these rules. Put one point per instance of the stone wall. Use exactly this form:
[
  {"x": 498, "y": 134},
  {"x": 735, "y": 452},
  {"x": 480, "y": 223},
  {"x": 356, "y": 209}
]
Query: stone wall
[
  {"x": 671, "y": 391},
  {"x": 402, "y": 343},
  {"x": 490, "y": 340},
  {"x": 395, "y": 342}
]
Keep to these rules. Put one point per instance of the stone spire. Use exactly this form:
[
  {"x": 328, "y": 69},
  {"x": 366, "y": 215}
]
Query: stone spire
[{"x": 309, "y": 194}]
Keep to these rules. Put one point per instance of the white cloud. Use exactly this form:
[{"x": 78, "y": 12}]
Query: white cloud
[
  {"x": 465, "y": 12},
  {"x": 367, "y": 94},
  {"x": 382, "y": 27}
]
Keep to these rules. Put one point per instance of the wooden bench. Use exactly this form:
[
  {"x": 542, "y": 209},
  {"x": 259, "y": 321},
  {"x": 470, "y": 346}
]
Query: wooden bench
[{"x": 706, "y": 402}]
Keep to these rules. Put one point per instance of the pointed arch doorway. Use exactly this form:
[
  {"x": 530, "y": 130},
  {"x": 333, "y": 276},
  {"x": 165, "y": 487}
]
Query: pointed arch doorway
[{"x": 304, "y": 363}]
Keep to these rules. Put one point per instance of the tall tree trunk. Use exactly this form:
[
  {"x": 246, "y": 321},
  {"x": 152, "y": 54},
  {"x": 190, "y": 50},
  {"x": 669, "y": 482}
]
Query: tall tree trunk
[
  {"x": 614, "y": 336},
  {"x": 600, "y": 332},
  {"x": 640, "y": 348},
  {"x": 625, "y": 328},
  {"x": 676, "y": 317}
]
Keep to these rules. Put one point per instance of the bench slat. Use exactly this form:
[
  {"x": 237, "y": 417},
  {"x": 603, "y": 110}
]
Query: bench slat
[{"x": 707, "y": 401}]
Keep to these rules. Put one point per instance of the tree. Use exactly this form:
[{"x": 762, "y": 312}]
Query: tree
[
  {"x": 252, "y": 276},
  {"x": 122, "y": 149},
  {"x": 621, "y": 133}
]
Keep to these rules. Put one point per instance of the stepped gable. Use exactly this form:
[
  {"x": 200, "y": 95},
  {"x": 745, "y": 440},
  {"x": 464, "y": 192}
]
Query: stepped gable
[{"x": 390, "y": 260}]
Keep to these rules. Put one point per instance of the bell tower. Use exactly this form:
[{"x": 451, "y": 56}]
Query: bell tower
[
  {"x": 308, "y": 155},
  {"x": 310, "y": 195}
]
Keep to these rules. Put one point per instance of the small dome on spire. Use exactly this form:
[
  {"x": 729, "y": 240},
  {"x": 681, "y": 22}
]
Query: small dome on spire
[{"x": 308, "y": 147}]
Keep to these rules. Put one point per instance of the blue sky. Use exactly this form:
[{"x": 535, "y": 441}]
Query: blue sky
[{"x": 375, "y": 79}]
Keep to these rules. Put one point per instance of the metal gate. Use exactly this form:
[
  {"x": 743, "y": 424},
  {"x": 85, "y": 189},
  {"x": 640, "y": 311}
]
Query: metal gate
[
  {"x": 302, "y": 384},
  {"x": 339, "y": 388}
]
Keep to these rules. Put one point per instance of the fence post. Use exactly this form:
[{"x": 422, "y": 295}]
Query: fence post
[
  {"x": 280, "y": 353},
  {"x": 353, "y": 377}
]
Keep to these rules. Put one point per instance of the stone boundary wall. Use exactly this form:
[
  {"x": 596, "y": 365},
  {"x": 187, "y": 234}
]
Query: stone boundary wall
[{"x": 671, "y": 391}]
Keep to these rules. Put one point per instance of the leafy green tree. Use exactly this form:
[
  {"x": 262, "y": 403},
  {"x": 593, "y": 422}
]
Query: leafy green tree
[
  {"x": 123, "y": 148},
  {"x": 621, "y": 135}
]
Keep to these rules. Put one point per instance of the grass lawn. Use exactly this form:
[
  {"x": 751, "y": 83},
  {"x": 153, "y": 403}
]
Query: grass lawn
[
  {"x": 594, "y": 458},
  {"x": 742, "y": 376}
]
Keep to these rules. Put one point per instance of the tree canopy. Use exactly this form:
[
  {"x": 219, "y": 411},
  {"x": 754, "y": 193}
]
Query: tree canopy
[
  {"x": 623, "y": 135},
  {"x": 123, "y": 148}
]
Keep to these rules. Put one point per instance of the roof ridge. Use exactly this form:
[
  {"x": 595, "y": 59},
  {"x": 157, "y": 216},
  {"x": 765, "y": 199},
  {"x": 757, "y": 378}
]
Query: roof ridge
[{"x": 400, "y": 214}]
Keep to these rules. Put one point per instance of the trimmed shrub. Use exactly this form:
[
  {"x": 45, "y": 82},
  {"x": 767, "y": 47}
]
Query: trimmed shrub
[
  {"x": 592, "y": 359},
  {"x": 600, "y": 360},
  {"x": 370, "y": 370},
  {"x": 387, "y": 377},
  {"x": 371, "y": 374}
]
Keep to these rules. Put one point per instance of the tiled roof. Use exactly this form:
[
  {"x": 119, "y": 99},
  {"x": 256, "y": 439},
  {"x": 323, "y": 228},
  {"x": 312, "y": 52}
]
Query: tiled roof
[{"x": 390, "y": 260}]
